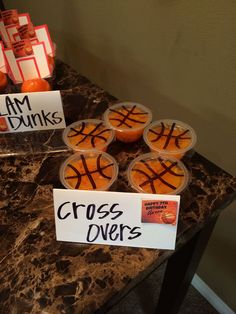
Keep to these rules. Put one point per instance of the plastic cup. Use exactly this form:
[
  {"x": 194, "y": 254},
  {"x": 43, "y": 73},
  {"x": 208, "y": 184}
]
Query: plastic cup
[
  {"x": 170, "y": 137},
  {"x": 128, "y": 119},
  {"x": 91, "y": 170},
  {"x": 156, "y": 174},
  {"x": 87, "y": 135}
]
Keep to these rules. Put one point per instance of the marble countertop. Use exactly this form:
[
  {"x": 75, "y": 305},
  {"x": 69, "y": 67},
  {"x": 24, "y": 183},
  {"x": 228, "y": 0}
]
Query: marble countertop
[{"x": 39, "y": 274}]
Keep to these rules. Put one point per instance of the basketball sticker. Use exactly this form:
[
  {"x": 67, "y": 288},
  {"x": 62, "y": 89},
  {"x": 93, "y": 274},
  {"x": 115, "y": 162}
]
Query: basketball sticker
[{"x": 161, "y": 212}]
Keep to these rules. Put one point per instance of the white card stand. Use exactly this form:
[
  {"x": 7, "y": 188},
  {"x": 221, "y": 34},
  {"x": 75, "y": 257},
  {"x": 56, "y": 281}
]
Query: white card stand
[
  {"x": 41, "y": 59},
  {"x": 31, "y": 112},
  {"x": 9, "y": 33},
  {"x": 42, "y": 34},
  {"x": 91, "y": 224},
  {"x": 24, "y": 18},
  {"x": 28, "y": 67},
  {"x": 12, "y": 33}
]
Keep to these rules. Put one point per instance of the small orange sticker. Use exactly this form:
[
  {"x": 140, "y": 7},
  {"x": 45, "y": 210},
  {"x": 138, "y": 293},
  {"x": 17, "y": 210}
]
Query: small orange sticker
[
  {"x": 161, "y": 212},
  {"x": 3, "y": 124}
]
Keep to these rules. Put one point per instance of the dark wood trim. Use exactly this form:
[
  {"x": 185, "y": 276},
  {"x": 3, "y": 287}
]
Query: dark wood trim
[{"x": 180, "y": 270}]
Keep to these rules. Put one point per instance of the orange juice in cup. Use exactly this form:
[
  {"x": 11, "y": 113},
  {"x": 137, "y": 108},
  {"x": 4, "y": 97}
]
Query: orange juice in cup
[
  {"x": 170, "y": 137},
  {"x": 91, "y": 170},
  {"x": 88, "y": 134},
  {"x": 156, "y": 174},
  {"x": 128, "y": 120}
]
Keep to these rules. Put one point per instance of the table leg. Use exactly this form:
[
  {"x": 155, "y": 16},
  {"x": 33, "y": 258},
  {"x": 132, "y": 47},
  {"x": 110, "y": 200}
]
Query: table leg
[{"x": 180, "y": 270}]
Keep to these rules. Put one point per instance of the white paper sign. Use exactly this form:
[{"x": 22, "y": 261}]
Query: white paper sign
[
  {"x": 28, "y": 67},
  {"x": 9, "y": 32},
  {"x": 43, "y": 35},
  {"x": 12, "y": 33},
  {"x": 24, "y": 18},
  {"x": 31, "y": 111},
  {"x": 125, "y": 219}
]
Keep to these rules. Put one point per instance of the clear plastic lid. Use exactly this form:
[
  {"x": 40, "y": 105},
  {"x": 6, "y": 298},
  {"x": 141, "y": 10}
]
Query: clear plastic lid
[
  {"x": 88, "y": 134},
  {"x": 128, "y": 116},
  {"x": 169, "y": 137},
  {"x": 156, "y": 174},
  {"x": 90, "y": 170}
]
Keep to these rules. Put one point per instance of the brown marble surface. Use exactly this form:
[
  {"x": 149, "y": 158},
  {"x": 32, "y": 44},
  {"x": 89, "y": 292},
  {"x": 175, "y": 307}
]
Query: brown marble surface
[{"x": 39, "y": 274}]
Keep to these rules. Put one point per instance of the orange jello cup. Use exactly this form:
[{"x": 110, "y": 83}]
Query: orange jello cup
[
  {"x": 128, "y": 119},
  {"x": 87, "y": 135},
  {"x": 156, "y": 174},
  {"x": 91, "y": 170},
  {"x": 170, "y": 137}
]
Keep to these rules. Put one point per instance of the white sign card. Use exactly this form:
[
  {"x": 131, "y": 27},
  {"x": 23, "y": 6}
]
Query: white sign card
[
  {"x": 9, "y": 32},
  {"x": 12, "y": 33},
  {"x": 114, "y": 218},
  {"x": 43, "y": 35},
  {"x": 25, "y": 68},
  {"x": 31, "y": 111},
  {"x": 24, "y": 18}
]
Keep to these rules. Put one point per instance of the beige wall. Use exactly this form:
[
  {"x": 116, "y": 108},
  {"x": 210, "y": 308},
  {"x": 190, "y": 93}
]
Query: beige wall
[{"x": 176, "y": 56}]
